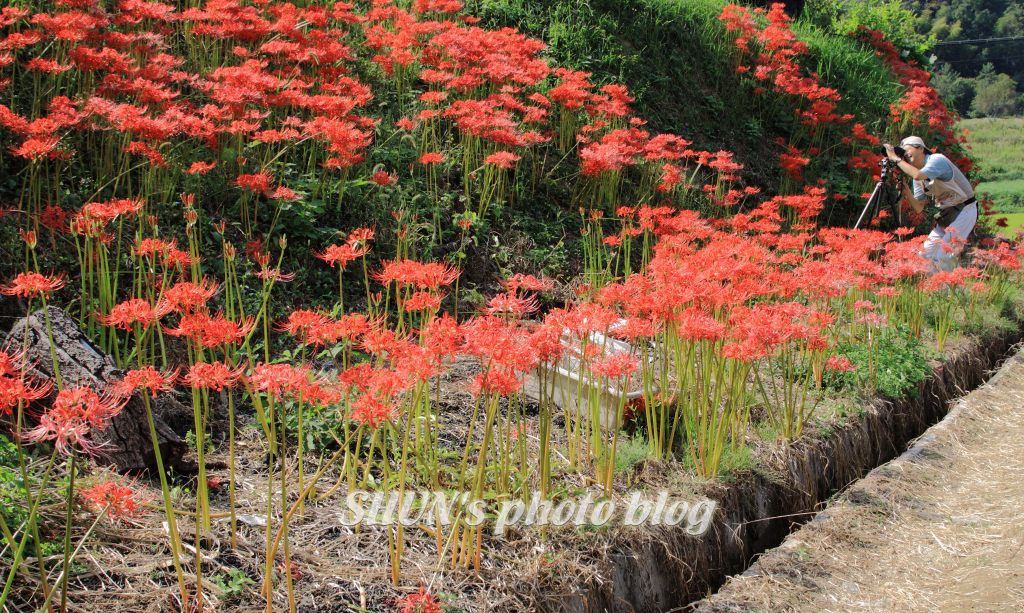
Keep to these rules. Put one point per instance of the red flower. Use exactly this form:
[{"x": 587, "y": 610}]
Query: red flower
[
  {"x": 213, "y": 375},
  {"x": 201, "y": 168},
  {"x": 371, "y": 412},
  {"x": 431, "y": 158},
  {"x": 502, "y": 159},
  {"x": 419, "y": 602},
  {"x": 148, "y": 379},
  {"x": 300, "y": 322},
  {"x": 32, "y": 284},
  {"x": 186, "y": 296},
  {"x": 341, "y": 254},
  {"x": 383, "y": 178},
  {"x": 117, "y": 501},
  {"x": 423, "y": 275},
  {"x": 508, "y": 303},
  {"x": 212, "y": 332},
  {"x": 258, "y": 183},
  {"x": 277, "y": 379},
  {"x": 73, "y": 415},
  {"x": 838, "y": 363},
  {"x": 615, "y": 366},
  {"x": 131, "y": 312},
  {"x": 17, "y": 388}
]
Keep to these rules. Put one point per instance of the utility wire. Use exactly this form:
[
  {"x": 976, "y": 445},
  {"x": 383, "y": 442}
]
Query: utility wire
[
  {"x": 971, "y": 41},
  {"x": 981, "y": 59}
]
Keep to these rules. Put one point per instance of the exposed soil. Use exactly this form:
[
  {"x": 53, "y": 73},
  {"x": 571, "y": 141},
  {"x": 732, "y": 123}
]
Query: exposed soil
[{"x": 941, "y": 528}]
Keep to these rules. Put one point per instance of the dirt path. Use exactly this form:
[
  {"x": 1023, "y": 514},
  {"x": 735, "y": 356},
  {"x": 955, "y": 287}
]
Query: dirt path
[{"x": 941, "y": 528}]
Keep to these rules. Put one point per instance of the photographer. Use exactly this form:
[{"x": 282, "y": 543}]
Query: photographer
[{"x": 935, "y": 176}]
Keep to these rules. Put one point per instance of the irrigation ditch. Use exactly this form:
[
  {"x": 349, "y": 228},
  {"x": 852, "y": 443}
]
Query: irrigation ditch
[{"x": 756, "y": 512}]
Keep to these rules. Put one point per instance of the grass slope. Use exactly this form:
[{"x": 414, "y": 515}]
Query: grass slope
[{"x": 677, "y": 60}]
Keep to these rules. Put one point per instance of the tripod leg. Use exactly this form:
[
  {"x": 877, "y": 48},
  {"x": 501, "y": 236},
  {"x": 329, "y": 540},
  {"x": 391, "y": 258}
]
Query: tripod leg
[{"x": 872, "y": 202}]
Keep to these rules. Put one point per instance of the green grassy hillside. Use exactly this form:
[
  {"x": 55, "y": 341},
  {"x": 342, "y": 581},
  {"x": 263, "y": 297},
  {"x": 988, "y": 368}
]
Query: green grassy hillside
[{"x": 678, "y": 61}]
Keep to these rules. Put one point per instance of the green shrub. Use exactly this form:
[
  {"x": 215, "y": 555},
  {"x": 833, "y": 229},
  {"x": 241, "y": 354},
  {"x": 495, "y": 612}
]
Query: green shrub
[{"x": 899, "y": 360}]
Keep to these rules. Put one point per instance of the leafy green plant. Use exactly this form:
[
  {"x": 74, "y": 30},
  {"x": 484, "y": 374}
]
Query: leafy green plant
[
  {"x": 233, "y": 583},
  {"x": 900, "y": 364}
]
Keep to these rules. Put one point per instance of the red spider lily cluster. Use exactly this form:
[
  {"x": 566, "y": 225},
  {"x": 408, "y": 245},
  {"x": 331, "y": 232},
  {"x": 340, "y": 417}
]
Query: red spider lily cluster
[
  {"x": 921, "y": 106},
  {"x": 267, "y": 101},
  {"x": 771, "y": 54}
]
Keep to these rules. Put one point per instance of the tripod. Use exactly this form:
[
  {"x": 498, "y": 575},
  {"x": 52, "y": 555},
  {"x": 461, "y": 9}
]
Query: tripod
[{"x": 881, "y": 197}]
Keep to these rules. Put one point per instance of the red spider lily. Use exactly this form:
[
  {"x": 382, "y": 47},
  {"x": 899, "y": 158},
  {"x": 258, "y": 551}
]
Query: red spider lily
[
  {"x": 615, "y": 366},
  {"x": 258, "y": 183},
  {"x": 423, "y": 275},
  {"x": 497, "y": 380},
  {"x": 839, "y": 363},
  {"x": 695, "y": 325},
  {"x": 301, "y": 322},
  {"x": 75, "y": 412},
  {"x": 946, "y": 279},
  {"x": 419, "y": 602},
  {"x": 500, "y": 343},
  {"x": 134, "y": 311},
  {"x": 153, "y": 247},
  {"x": 37, "y": 148},
  {"x": 436, "y": 6},
  {"x": 792, "y": 163},
  {"x": 442, "y": 336},
  {"x": 274, "y": 275},
  {"x": 328, "y": 331},
  {"x": 278, "y": 379},
  {"x": 187, "y": 296},
  {"x": 211, "y": 375},
  {"x": 341, "y": 254},
  {"x": 509, "y": 303},
  {"x": 284, "y": 193},
  {"x": 502, "y": 159},
  {"x": 103, "y": 213},
  {"x": 212, "y": 331},
  {"x": 115, "y": 500},
  {"x": 372, "y": 412},
  {"x": 431, "y": 158},
  {"x": 528, "y": 283},
  {"x": 148, "y": 379},
  {"x": 16, "y": 388},
  {"x": 32, "y": 284},
  {"x": 384, "y": 178},
  {"x": 360, "y": 236},
  {"x": 422, "y": 301},
  {"x": 54, "y": 218},
  {"x": 201, "y": 168}
]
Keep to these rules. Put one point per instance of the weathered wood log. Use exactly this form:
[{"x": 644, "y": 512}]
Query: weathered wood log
[{"x": 127, "y": 443}]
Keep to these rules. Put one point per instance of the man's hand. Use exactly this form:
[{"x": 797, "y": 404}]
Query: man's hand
[{"x": 893, "y": 156}]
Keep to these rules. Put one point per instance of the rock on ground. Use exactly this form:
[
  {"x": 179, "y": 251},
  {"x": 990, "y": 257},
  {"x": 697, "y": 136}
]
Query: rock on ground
[{"x": 127, "y": 443}]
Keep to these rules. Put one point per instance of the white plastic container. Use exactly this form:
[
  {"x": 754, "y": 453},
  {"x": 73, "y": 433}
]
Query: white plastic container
[{"x": 565, "y": 389}]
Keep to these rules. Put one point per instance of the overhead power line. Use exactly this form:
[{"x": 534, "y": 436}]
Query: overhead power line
[
  {"x": 973, "y": 41},
  {"x": 983, "y": 59}
]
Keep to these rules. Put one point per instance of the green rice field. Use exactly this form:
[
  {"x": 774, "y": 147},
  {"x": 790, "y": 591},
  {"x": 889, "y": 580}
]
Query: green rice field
[{"x": 1014, "y": 221}]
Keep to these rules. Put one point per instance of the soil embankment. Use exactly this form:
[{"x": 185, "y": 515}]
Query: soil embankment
[
  {"x": 671, "y": 569},
  {"x": 940, "y": 528}
]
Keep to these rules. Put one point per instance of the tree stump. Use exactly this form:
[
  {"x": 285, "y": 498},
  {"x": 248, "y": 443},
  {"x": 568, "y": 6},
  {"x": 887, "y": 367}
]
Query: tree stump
[{"x": 126, "y": 441}]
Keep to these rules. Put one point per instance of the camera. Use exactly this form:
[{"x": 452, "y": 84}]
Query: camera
[{"x": 887, "y": 164}]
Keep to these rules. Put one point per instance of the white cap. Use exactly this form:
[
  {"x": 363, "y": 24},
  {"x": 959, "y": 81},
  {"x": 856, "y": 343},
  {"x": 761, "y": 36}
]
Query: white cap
[{"x": 916, "y": 141}]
